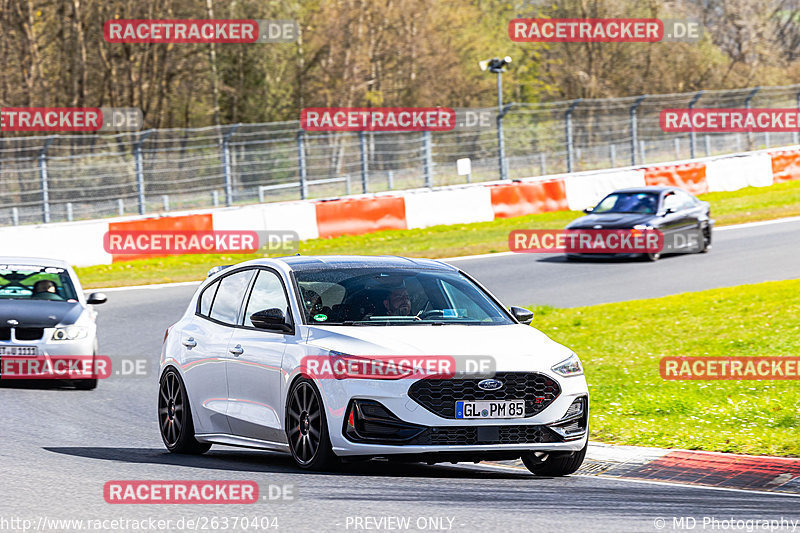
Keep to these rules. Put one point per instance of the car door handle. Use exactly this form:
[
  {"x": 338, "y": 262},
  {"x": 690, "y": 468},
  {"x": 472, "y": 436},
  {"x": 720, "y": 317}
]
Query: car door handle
[
  {"x": 190, "y": 342},
  {"x": 237, "y": 350}
]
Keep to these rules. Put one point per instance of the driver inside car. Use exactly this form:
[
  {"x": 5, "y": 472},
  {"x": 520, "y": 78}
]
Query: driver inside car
[
  {"x": 398, "y": 303},
  {"x": 44, "y": 289}
]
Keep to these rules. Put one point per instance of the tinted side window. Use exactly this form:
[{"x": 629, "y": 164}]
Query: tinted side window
[
  {"x": 671, "y": 201},
  {"x": 461, "y": 304},
  {"x": 229, "y": 296},
  {"x": 686, "y": 201},
  {"x": 207, "y": 297},
  {"x": 267, "y": 293}
]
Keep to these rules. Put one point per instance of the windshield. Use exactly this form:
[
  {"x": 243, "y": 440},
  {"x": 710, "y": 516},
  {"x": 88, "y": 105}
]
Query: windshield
[
  {"x": 32, "y": 282},
  {"x": 392, "y": 296},
  {"x": 629, "y": 202}
]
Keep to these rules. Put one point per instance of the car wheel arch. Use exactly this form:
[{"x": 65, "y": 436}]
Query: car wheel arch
[{"x": 290, "y": 384}]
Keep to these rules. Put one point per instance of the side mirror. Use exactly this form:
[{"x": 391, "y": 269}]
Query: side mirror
[
  {"x": 96, "y": 298},
  {"x": 522, "y": 315},
  {"x": 588, "y": 210},
  {"x": 270, "y": 319},
  {"x": 668, "y": 211}
]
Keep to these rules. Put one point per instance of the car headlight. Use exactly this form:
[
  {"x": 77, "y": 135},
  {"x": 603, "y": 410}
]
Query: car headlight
[
  {"x": 571, "y": 366},
  {"x": 347, "y": 366},
  {"x": 70, "y": 333}
]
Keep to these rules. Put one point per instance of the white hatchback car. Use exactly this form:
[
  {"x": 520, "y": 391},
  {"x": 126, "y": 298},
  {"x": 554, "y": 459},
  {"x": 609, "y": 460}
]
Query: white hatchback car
[{"x": 245, "y": 366}]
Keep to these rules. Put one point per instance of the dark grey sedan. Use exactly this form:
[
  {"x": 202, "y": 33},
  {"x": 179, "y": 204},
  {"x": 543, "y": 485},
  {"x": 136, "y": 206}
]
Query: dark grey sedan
[{"x": 684, "y": 220}]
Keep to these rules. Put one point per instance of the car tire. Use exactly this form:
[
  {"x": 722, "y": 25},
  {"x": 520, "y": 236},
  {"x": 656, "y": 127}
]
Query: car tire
[
  {"x": 307, "y": 428},
  {"x": 556, "y": 464},
  {"x": 85, "y": 384},
  {"x": 175, "y": 416},
  {"x": 705, "y": 239}
]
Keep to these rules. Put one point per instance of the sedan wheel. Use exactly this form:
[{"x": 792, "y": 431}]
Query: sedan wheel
[
  {"x": 175, "y": 416},
  {"x": 306, "y": 427},
  {"x": 705, "y": 236}
]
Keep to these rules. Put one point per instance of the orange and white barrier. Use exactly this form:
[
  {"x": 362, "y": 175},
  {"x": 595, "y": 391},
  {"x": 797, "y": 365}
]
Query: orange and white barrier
[
  {"x": 689, "y": 176},
  {"x": 81, "y": 243},
  {"x": 527, "y": 197},
  {"x": 738, "y": 172}
]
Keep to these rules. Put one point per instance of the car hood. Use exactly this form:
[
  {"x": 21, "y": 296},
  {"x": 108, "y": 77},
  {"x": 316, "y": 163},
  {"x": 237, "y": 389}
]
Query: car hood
[
  {"x": 613, "y": 221},
  {"x": 39, "y": 313},
  {"x": 514, "y": 347}
]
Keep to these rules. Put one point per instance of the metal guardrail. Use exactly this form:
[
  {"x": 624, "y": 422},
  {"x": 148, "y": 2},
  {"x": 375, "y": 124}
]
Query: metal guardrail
[
  {"x": 72, "y": 177},
  {"x": 300, "y": 184}
]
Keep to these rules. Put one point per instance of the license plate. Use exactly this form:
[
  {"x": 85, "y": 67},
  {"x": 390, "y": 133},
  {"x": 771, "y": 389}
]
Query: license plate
[
  {"x": 490, "y": 409},
  {"x": 19, "y": 350}
]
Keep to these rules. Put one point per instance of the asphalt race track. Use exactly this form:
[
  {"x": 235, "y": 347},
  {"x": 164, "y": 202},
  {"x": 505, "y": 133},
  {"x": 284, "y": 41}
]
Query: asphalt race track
[
  {"x": 58, "y": 446},
  {"x": 740, "y": 255}
]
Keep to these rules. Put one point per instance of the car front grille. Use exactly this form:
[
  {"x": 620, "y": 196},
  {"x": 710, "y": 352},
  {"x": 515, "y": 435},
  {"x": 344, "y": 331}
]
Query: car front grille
[
  {"x": 5, "y": 334},
  {"x": 440, "y": 395},
  {"x": 28, "y": 334},
  {"x": 477, "y": 435}
]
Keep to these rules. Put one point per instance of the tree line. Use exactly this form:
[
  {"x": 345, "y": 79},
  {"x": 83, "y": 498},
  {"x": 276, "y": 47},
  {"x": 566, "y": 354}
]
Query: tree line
[{"x": 375, "y": 53}]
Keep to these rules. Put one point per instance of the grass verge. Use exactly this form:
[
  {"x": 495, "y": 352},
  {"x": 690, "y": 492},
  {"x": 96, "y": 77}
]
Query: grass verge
[
  {"x": 621, "y": 345},
  {"x": 745, "y": 205}
]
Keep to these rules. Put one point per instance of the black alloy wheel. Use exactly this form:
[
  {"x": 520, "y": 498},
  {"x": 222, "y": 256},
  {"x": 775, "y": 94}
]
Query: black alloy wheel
[
  {"x": 306, "y": 428},
  {"x": 175, "y": 416}
]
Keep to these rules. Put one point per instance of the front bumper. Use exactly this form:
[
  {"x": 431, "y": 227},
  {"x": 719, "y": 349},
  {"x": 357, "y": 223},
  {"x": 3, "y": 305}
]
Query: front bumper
[
  {"x": 46, "y": 348},
  {"x": 424, "y": 432}
]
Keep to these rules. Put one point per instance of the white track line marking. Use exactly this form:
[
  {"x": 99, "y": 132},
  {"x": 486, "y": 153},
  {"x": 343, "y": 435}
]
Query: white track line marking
[
  {"x": 150, "y": 287},
  {"x": 479, "y": 256},
  {"x": 759, "y": 223}
]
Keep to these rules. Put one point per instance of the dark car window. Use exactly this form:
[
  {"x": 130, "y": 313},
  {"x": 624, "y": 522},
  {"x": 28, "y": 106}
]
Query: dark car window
[
  {"x": 229, "y": 296},
  {"x": 207, "y": 298},
  {"x": 628, "y": 202},
  {"x": 33, "y": 282},
  {"x": 267, "y": 293},
  {"x": 686, "y": 201},
  {"x": 394, "y": 296},
  {"x": 672, "y": 201}
]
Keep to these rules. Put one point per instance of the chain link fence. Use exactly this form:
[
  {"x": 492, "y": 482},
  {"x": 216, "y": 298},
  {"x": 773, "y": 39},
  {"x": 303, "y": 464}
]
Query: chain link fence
[{"x": 70, "y": 177}]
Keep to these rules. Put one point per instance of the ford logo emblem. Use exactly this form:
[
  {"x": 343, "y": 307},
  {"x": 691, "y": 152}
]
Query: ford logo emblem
[
  {"x": 12, "y": 322},
  {"x": 490, "y": 384}
]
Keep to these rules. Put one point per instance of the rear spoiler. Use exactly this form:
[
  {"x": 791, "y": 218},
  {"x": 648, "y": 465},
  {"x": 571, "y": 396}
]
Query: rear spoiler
[{"x": 216, "y": 269}]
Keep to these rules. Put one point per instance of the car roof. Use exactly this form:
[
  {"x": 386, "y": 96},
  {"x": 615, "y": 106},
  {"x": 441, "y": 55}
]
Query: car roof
[
  {"x": 321, "y": 262},
  {"x": 33, "y": 261},
  {"x": 650, "y": 189}
]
